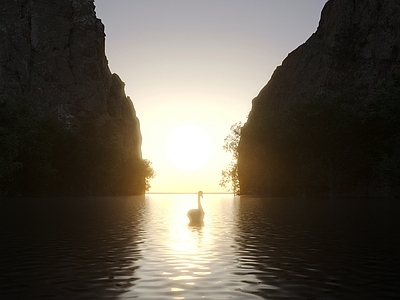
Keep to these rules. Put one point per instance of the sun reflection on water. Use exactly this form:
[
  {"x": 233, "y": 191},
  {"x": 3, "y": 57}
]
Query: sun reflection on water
[
  {"x": 250, "y": 248},
  {"x": 183, "y": 255}
]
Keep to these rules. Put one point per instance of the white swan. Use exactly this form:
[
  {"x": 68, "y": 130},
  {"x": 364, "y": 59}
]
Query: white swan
[{"x": 196, "y": 216}]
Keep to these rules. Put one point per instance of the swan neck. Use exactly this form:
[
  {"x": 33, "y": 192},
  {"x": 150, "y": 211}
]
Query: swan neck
[{"x": 199, "y": 203}]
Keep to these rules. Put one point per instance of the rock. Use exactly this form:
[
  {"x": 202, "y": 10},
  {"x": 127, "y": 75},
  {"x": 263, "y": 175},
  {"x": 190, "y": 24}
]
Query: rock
[
  {"x": 53, "y": 53},
  {"x": 355, "y": 49}
]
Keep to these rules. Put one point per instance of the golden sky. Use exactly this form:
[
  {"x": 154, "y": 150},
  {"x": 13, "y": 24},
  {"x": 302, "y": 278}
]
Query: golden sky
[{"x": 194, "y": 67}]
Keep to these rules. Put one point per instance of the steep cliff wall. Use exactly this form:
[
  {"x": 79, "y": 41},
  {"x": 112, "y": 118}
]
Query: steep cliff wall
[
  {"x": 355, "y": 49},
  {"x": 53, "y": 54}
]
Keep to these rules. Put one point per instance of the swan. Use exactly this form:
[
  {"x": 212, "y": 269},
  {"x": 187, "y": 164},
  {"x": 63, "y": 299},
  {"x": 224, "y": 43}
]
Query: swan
[{"x": 196, "y": 216}]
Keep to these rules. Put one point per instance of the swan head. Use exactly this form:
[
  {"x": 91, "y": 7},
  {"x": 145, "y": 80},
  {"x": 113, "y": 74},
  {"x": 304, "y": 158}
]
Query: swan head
[{"x": 200, "y": 194}]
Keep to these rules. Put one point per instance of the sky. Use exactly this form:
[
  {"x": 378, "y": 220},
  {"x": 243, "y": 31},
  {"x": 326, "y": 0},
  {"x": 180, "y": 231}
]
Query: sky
[{"x": 192, "y": 68}]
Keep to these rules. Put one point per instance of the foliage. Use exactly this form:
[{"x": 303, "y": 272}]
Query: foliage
[
  {"x": 383, "y": 114},
  {"x": 230, "y": 179},
  {"x": 147, "y": 172},
  {"x": 27, "y": 137},
  {"x": 325, "y": 132},
  {"x": 335, "y": 145},
  {"x": 43, "y": 153}
]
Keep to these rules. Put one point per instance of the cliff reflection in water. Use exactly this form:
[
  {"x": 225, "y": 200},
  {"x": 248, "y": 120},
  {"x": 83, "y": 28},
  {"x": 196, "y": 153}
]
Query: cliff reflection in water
[
  {"x": 69, "y": 248},
  {"x": 249, "y": 248},
  {"x": 305, "y": 249}
]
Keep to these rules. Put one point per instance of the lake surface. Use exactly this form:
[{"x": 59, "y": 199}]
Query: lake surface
[{"x": 249, "y": 248}]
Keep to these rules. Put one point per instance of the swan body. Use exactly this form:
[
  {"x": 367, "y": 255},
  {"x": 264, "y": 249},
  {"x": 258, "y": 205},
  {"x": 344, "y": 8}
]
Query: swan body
[{"x": 196, "y": 216}]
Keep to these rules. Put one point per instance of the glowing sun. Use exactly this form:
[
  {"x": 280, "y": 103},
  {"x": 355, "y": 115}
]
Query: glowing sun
[{"x": 189, "y": 147}]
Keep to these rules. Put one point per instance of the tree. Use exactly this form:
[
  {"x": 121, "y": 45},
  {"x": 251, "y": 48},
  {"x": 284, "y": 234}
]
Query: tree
[
  {"x": 28, "y": 133},
  {"x": 341, "y": 144},
  {"x": 43, "y": 153},
  {"x": 98, "y": 162},
  {"x": 324, "y": 135},
  {"x": 383, "y": 115},
  {"x": 230, "y": 179},
  {"x": 148, "y": 173}
]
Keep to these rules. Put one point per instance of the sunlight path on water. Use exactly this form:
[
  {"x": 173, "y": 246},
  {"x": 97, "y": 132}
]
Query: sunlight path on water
[
  {"x": 249, "y": 248},
  {"x": 183, "y": 262}
]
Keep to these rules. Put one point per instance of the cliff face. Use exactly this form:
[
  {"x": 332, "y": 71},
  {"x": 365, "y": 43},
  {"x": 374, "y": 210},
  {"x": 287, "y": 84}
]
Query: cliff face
[
  {"x": 355, "y": 49},
  {"x": 53, "y": 54}
]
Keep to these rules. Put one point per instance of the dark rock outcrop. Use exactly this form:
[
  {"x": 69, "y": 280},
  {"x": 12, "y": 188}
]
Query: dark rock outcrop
[
  {"x": 355, "y": 49},
  {"x": 53, "y": 54}
]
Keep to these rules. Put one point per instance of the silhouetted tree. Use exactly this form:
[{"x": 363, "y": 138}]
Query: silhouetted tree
[
  {"x": 148, "y": 173},
  {"x": 230, "y": 180},
  {"x": 383, "y": 116},
  {"x": 45, "y": 153},
  {"x": 28, "y": 136},
  {"x": 323, "y": 132},
  {"x": 330, "y": 144}
]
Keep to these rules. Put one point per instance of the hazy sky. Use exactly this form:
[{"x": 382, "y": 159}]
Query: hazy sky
[{"x": 199, "y": 63}]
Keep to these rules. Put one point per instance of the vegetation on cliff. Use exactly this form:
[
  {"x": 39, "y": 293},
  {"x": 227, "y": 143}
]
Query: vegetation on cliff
[
  {"x": 329, "y": 145},
  {"x": 66, "y": 125},
  {"x": 43, "y": 153},
  {"x": 229, "y": 176},
  {"x": 326, "y": 122}
]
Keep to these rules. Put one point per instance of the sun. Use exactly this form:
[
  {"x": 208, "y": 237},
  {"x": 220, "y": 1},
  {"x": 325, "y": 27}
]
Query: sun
[{"x": 189, "y": 147}]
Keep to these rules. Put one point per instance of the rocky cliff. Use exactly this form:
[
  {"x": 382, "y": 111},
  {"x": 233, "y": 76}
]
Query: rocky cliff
[
  {"x": 53, "y": 54},
  {"x": 355, "y": 50}
]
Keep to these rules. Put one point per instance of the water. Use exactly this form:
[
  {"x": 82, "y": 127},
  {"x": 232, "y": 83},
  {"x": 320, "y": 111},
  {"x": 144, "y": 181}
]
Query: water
[{"x": 250, "y": 248}]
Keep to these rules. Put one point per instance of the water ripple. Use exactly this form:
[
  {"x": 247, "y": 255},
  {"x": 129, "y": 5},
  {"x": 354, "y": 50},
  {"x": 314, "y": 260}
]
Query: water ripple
[{"x": 249, "y": 248}]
